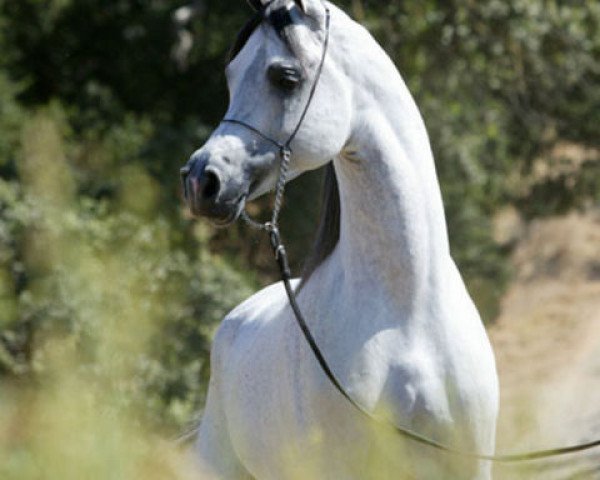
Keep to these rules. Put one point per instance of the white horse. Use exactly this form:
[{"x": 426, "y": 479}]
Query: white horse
[{"x": 383, "y": 297}]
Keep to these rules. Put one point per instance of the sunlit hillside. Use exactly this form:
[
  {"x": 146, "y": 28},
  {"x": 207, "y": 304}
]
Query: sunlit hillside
[{"x": 547, "y": 343}]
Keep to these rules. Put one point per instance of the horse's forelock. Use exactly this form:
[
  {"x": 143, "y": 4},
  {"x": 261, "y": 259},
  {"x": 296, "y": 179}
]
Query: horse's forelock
[
  {"x": 283, "y": 15},
  {"x": 251, "y": 26}
]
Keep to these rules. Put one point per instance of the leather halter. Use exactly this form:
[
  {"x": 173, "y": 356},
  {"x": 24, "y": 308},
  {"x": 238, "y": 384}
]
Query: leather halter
[{"x": 279, "y": 21}]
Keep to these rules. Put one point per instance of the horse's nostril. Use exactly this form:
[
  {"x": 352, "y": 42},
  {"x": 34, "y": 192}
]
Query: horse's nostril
[{"x": 211, "y": 185}]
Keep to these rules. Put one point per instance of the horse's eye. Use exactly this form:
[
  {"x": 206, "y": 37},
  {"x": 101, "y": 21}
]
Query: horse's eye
[{"x": 285, "y": 76}]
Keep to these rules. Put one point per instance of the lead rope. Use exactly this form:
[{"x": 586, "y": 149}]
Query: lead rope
[
  {"x": 286, "y": 276},
  {"x": 272, "y": 228}
]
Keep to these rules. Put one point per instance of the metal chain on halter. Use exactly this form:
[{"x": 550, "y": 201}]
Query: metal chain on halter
[
  {"x": 280, "y": 190},
  {"x": 286, "y": 155}
]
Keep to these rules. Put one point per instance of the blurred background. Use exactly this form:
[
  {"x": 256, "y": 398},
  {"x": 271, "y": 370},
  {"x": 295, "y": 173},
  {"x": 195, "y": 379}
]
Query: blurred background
[{"x": 110, "y": 293}]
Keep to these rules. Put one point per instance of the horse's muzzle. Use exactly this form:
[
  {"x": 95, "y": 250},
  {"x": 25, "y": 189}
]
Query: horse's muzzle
[{"x": 206, "y": 194}]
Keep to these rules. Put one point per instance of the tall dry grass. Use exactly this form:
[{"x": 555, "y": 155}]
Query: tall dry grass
[{"x": 76, "y": 415}]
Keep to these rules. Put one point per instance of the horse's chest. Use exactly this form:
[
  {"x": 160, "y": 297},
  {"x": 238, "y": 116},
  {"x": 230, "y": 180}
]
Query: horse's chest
[{"x": 281, "y": 407}]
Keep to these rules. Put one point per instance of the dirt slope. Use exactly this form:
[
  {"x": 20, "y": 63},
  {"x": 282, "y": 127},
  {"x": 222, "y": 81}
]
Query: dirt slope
[{"x": 547, "y": 343}]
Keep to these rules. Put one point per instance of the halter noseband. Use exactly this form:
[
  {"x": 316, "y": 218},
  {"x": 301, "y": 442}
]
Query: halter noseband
[{"x": 280, "y": 20}]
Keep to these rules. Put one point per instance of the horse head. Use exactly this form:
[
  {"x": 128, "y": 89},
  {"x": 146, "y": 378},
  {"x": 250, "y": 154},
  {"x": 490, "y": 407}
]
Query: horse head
[{"x": 275, "y": 67}]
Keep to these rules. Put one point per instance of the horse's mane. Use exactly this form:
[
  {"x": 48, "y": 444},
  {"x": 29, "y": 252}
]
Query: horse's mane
[
  {"x": 328, "y": 231},
  {"x": 243, "y": 36}
]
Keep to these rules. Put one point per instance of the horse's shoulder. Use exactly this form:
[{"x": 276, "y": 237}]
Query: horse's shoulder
[{"x": 260, "y": 308}]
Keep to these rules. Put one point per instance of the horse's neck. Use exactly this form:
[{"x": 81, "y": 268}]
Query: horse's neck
[{"x": 393, "y": 232}]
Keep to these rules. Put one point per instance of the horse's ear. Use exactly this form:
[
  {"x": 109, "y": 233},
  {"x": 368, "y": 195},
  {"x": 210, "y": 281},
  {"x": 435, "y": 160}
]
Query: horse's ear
[
  {"x": 255, "y": 4},
  {"x": 301, "y": 4},
  {"x": 310, "y": 7}
]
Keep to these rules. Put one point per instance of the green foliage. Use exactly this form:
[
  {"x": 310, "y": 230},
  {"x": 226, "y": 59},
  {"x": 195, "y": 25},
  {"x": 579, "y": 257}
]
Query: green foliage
[
  {"x": 77, "y": 268},
  {"x": 11, "y": 117}
]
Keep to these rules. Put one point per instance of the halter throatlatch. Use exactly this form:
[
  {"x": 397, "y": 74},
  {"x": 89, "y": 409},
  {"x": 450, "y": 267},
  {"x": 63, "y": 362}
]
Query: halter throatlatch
[{"x": 272, "y": 228}]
